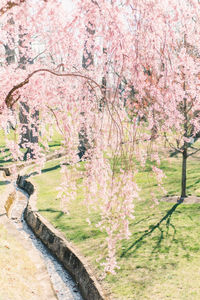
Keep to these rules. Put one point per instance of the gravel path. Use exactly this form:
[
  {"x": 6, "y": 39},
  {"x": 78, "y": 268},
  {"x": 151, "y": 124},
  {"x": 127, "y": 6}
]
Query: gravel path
[{"x": 64, "y": 287}]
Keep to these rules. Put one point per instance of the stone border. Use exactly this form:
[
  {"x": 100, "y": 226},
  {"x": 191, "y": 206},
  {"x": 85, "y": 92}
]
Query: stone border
[
  {"x": 60, "y": 247},
  {"x": 8, "y": 170}
]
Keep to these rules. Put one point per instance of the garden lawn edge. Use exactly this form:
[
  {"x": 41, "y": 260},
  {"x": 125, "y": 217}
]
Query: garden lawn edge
[
  {"x": 54, "y": 240},
  {"x": 19, "y": 166}
]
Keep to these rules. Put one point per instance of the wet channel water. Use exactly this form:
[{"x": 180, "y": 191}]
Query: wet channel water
[{"x": 63, "y": 284}]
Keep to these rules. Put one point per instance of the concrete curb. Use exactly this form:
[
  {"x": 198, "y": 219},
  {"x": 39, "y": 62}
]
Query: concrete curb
[
  {"x": 60, "y": 247},
  {"x": 18, "y": 166}
]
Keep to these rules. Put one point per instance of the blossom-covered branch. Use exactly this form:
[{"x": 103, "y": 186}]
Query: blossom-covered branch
[
  {"x": 10, "y": 101},
  {"x": 9, "y": 5}
]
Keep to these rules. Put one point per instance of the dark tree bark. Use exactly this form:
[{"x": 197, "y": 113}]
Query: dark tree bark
[
  {"x": 185, "y": 149},
  {"x": 184, "y": 174},
  {"x": 10, "y": 55},
  {"x": 87, "y": 61},
  {"x": 28, "y": 131},
  {"x": 103, "y": 86}
]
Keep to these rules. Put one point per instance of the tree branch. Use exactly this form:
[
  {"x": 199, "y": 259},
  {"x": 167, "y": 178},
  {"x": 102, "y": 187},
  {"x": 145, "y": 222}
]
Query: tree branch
[
  {"x": 32, "y": 60},
  {"x": 51, "y": 109},
  {"x": 10, "y": 4},
  {"x": 193, "y": 152},
  {"x": 9, "y": 98},
  {"x": 177, "y": 150}
]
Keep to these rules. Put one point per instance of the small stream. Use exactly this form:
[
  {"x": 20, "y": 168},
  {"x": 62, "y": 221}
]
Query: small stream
[{"x": 63, "y": 284}]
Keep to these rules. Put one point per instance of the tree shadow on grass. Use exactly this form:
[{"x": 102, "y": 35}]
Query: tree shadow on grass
[
  {"x": 43, "y": 171},
  {"x": 4, "y": 149},
  {"x": 74, "y": 230},
  {"x": 138, "y": 243},
  {"x": 51, "y": 169},
  {"x": 193, "y": 184},
  {"x": 54, "y": 145},
  {"x": 2, "y": 215},
  {"x": 4, "y": 182},
  {"x": 5, "y": 160},
  {"x": 58, "y": 212}
]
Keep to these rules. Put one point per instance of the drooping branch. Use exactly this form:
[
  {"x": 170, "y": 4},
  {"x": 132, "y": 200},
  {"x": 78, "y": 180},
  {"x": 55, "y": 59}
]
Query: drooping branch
[
  {"x": 197, "y": 150},
  {"x": 177, "y": 150},
  {"x": 57, "y": 122},
  {"x": 9, "y": 100},
  {"x": 10, "y": 4}
]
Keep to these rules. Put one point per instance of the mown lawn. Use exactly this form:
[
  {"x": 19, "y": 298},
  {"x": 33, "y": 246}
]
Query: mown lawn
[
  {"x": 5, "y": 154},
  {"x": 159, "y": 261}
]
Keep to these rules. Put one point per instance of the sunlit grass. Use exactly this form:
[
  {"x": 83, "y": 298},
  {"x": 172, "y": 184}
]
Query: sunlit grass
[
  {"x": 155, "y": 263},
  {"x": 5, "y": 154}
]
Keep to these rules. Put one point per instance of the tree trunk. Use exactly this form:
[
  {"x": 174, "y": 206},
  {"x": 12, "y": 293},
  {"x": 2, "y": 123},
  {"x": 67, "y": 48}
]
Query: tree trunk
[
  {"x": 184, "y": 177},
  {"x": 29, "y": 132},
  {"x": 87, "y": 61}
]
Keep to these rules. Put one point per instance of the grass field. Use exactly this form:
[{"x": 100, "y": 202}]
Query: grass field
[
  {"x": 5, "y": 154},
  {"x": 160, "y": 260}
]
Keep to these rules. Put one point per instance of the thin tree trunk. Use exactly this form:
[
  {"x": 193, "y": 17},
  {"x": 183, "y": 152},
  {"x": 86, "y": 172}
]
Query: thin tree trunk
[
  {"x": 29, "y": 132},
  {"x": 103, "y": 85},
  {"x": 87, "y": 61},
  {"x": 184, "y": 175},
  {"x": 184, "y": 154}
]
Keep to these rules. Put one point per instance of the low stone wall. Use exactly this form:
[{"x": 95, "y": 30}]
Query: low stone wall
[
  {"x": 6, "y": 171},
  {"x": 25, "y": 185},
  {"x": 60, "y": 247},
  {"x": 18, "y": 166}
]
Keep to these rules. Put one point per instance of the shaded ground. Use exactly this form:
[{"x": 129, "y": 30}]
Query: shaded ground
[{"x": 187, "y": 200}]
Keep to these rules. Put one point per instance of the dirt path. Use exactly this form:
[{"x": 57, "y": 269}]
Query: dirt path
[
  {"x": 29, "y": 270},
  {"x": 23, "y": 273}
]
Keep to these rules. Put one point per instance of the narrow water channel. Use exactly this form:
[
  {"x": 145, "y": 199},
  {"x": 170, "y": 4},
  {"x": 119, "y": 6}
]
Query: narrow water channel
[{"x": 63, "y": 284}]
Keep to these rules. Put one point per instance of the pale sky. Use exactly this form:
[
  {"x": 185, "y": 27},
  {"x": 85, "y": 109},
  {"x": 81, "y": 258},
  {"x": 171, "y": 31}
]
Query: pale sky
[{"x": 69, "y": 5}]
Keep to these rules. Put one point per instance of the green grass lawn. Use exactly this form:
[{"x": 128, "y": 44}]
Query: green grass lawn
[
  {"x": 6, "y": 156},
  {"x": 159, "y": 261}
]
